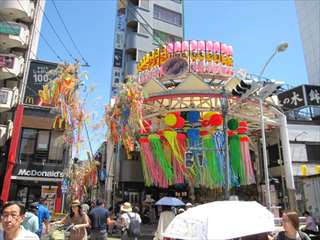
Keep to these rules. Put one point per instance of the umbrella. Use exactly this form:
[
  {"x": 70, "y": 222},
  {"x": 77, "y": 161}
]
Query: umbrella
[
  {"x": 170, "y": 201},
  {"x": 221, "y": 220}
]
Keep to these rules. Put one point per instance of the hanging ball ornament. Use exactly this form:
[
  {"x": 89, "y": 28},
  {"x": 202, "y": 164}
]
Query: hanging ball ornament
[
  {"x": 216, "y": 119},
  {"x": 193, "y": 116},
  {"x": 208, "y": 115},
  {"x": 180, "y": 123},
  {"x": 233, "y": 124},
  {"x": 243, "y": 127},
  {"x": 205, "y": 123},
  {"x": 170, "y": 119}
]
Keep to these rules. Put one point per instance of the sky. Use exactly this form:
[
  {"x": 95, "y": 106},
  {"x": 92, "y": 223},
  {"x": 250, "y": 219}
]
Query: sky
[{"x": 253, "y": 28}]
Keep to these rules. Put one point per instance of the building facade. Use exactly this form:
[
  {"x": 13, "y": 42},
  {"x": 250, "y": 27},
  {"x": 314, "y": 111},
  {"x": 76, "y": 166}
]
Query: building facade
[
  {"x": 141, "y": 26},
  {"x": 309, "y": 23},
  {"x": 20, "y": 23}
]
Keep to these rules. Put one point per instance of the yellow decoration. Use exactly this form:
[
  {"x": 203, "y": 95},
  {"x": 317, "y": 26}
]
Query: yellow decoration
[
  {"x": 170, "y": 120},
  {"x": 208, "y": 115},
  {"x": 304, "y": 170},
  {"x": 318, "y": 169}
]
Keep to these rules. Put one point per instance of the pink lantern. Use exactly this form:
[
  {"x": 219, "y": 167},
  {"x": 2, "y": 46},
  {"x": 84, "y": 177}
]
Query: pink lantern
[
  {"x": 201, "y": 46},
  {"x": 170, "y": 48},
  {"x": 177, "y": 46},
  {"x": 224, "y": 48},
  {"x": 193, "y": 45},
  {"x": 185, "y": 46},
  {"x": 216, "y": 47},
  {"x": 230, "y": 50},
  {"x": 209, "y": 46}
]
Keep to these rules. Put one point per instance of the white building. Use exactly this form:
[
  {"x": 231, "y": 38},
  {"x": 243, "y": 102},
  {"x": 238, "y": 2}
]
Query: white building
[{"x": 308, "y": 12}]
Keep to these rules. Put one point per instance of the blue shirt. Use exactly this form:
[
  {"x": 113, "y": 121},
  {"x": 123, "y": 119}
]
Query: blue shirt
[
  {"x": 98, "y": 217},
  {"x": 43, "y": 214}
]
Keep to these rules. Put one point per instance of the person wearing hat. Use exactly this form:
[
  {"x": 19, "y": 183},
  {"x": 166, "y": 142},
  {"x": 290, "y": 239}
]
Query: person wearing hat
[
  {"x": 126, "y": 217},
  {"x": 188, "y": 205},
  {"x": 78, "y": 219}
]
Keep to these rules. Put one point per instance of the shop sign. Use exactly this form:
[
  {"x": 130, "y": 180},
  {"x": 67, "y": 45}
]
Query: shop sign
[
  {"x": 301, "y": 96},
  {"x": 117, "y": 61},
  {"x": 313, "y": 95},
  {"x": 10, "y": 28},
  {"x": 37, "y": 78},
  {"x": 39, "y": 173}
]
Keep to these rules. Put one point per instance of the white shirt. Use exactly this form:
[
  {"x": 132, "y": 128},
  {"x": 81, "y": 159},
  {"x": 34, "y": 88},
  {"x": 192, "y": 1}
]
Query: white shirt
[
  {"x": 127, "y": 219},
  {"x": 23, "y": 235}
]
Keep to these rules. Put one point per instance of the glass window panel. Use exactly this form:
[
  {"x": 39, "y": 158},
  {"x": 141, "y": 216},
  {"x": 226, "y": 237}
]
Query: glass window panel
[
  {"x": 167, "y": 15},
  {"x": 56, "y": 146},
  {"x": 43, "y": 140}
]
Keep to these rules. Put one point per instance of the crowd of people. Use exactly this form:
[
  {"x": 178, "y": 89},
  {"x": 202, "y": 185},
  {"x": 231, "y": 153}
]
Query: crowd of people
[{"x": 94, "y": 220}]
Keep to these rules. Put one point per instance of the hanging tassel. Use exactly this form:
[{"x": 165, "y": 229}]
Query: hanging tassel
[
  {"x": 235, "y": 159},
  {"x": 171, "y": 137},
  {"x": 159, "y": 155},
  {"x": 178, "y": 172},
  {"x": 219, "y": 144},
  {"x": 212, "y": 163},
  {"x": 245, "y": 153}
]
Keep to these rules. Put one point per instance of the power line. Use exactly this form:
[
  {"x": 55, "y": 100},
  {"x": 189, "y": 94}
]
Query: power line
[
  {"x": 70, "y": 36},
  {"x": 45, "y": 40},
  {"x": 57, "y": 35}
]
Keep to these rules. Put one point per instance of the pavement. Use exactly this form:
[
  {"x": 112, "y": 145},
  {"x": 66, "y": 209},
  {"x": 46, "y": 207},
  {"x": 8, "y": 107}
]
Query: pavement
[{"x": 147, "y": 232}]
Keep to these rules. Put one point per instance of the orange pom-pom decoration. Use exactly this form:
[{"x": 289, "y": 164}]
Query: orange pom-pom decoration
[
  {"x": 231, "y": 133},
  {"x": 216, "y": 120},
  {"x": 205, "y": 123}
]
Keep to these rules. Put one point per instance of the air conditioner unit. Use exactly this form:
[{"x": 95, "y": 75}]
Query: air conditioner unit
[
  {"x": 8, "y": 98},
  {"x": 5, "y": 132}
]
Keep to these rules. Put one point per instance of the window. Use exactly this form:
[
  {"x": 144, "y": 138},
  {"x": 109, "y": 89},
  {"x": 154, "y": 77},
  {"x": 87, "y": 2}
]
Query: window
[
  {"x": 28, "y": 143},
  {"x": 41, "y": 146},
  {"x": 56, "y": 147},
  {"x": 167, "y": 15},
  {"x": 313, "y": 151},
  {"x": 164, "y": 37},
  {"x": 273, "y": 155}
]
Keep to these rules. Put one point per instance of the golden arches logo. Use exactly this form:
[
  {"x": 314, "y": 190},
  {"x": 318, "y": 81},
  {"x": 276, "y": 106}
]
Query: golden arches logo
[{"x": 29, "y": 100}]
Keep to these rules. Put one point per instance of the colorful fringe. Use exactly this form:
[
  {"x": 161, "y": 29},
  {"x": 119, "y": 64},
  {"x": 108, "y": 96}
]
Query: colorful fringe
[
  {"x": 245, "y": 153},
  {"x": 237, "y": 165}
]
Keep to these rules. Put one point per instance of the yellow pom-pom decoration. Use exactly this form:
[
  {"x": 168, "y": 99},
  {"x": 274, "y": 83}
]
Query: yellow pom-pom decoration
[
  {"x": 170, "y": 119},
  {"x": 208, "y": 115},
  {"x": 318, "y": 169}
]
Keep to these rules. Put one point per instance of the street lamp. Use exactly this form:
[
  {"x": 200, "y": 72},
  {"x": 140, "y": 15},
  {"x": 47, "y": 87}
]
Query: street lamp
[{"x": 280, "y": 48}]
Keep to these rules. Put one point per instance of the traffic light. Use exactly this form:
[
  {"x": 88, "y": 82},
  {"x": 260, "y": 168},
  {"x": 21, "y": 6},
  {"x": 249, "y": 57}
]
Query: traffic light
[{"x": 270, "y": 88}]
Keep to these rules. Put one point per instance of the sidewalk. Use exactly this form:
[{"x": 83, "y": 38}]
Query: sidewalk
[{"x": 147, "y": 233}]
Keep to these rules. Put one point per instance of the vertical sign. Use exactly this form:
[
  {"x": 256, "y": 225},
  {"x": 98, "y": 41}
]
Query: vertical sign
[
  {"x": 37, "y": 78},
  {"x": 119, "y": 42}
]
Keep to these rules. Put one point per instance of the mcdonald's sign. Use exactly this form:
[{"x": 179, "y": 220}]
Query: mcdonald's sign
[{"x": 37, "y": 78}]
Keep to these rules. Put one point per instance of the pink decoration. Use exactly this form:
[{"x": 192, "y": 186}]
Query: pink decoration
[
  {"x": 177, "y": 46},
  {"x": 224, "y": 48},
  {"x": 201, "y": 46},
  {"x": 230, "y": 50},
  {"x": 185, "y": 46},
  {"x": 170, "y": 48},
  {"x": 209, "y": 46},
  {"x": 216, "y": 47},
  {"x": 193, "y": 45}
]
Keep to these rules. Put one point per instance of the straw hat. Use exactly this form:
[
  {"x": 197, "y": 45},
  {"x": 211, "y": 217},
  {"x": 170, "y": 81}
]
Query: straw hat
[
  {"x": 126, "y": 207},
  {"x": 75, "y": 203}
]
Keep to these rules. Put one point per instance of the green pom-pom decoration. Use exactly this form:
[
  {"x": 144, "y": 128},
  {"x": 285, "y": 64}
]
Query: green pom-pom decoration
[{"x": 233, "y": 124}]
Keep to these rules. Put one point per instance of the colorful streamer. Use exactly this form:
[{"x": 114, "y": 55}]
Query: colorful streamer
[{"x": 238, "y": 169}]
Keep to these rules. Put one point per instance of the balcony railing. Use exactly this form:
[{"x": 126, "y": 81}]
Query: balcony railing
[
  {"x": 13, "y": 35},
  {"x": 10, "y": 66}
]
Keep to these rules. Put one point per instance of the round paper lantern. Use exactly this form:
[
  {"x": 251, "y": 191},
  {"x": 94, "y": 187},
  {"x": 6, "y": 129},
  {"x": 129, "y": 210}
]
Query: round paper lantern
[
  {"x": 216, "y": 47},
  {"x": 243, "y": 124},
  {"x": 216, "y": 120},
  {"x": 170, "y": 119},
  {"x": 242, "y": 130},
  {"x": 185, "y": 46},
  {"x": 208, "y": 115},
  {"x": 180, "y": 123},
  {"x": 177, "y": 114},
  {"x": 205, "y": 122},
  {"x": 201, "y": 46},
  {"x": 209, "y": 46},
  {"x": 177, "y": 46},
  {"x": 233, "y": 124},
  {"x": 193, "y": 45},
  {"x": 170, "y": 48},
  {"x": 193, "y": 116}
]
